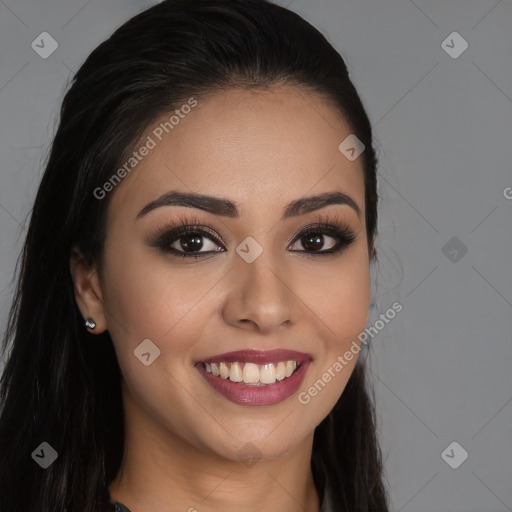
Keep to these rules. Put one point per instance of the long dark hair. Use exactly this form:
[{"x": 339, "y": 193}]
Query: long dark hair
[{"x": 60, "y": 384}]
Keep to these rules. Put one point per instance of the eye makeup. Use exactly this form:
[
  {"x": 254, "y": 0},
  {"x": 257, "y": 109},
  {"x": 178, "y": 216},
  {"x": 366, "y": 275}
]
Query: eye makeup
[{"x": 188, "y": 230}]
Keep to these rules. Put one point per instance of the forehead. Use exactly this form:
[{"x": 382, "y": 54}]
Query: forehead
[{"x": 257, "y": 147}]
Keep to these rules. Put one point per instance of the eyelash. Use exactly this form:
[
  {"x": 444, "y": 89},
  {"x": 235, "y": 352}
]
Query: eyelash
[{"x": 190, "y": 225}]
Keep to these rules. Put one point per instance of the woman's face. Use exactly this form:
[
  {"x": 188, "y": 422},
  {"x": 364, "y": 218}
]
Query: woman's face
[{"x": 257, "y": 283}]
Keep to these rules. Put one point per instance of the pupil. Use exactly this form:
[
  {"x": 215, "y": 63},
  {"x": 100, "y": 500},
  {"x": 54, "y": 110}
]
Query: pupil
[
  {"x": 191, "y": 243},
  {"x": 313, "y": 242}
]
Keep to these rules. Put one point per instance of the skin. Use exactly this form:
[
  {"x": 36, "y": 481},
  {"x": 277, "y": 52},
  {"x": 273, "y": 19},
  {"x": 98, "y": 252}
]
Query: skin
[{"x": 183, "y": 440}]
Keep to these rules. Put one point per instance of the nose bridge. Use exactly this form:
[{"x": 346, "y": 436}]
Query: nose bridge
[
  {"x": 264, "y": 276},
  {"x": 262, "y": 291}
]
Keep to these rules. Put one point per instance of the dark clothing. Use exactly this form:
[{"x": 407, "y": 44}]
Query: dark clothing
[{"x": 119, "y": 507}]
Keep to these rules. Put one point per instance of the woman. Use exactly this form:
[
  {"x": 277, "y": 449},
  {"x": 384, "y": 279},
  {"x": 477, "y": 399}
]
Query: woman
[{"x": 195, "y": 277}]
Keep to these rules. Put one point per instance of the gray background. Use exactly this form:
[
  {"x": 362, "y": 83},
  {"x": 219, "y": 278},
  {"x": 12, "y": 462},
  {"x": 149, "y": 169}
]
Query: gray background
[{"x": 443, "y": 130}]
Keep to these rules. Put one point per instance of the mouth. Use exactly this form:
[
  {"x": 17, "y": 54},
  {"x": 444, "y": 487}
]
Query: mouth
[
  {"x": 253, "y": 377},
  {"x": 252, "y": 374}
]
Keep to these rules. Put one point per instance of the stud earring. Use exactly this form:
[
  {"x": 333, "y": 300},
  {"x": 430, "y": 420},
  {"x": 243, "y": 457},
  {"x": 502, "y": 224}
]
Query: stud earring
[{"x": 90, "y": 323}]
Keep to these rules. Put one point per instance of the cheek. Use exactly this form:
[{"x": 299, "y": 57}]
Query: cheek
[
  {"x": 340, "y": 306},
  {"x": 147, "y": 298},
  {"x": 339, "y": 297}
]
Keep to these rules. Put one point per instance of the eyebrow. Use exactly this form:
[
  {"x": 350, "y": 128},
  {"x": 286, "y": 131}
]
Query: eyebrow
[{"x": 227, "y": 208}]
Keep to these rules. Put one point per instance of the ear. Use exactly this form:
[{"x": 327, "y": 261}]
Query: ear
[{"x": 88, "y": 295}]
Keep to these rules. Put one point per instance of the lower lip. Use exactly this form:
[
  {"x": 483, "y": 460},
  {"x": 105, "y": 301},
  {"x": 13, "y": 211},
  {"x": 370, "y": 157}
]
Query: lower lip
[{"x": 243, "y": 394}]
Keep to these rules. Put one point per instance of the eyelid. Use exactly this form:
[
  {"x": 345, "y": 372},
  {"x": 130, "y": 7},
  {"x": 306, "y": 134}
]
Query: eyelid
[
  {"x": 184, "y": 223},
  {"x": 327, "y": 219}
]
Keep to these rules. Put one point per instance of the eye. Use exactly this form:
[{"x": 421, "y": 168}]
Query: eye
[
  {"x": 190, "y": 239},
  {"x": 313, "y": 239}
]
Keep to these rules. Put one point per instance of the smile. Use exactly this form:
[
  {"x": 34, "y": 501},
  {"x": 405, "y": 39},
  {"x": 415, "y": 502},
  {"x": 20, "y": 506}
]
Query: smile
[
  {"x": 253, "y": 374},
  {"x": 251, "y": 377}
]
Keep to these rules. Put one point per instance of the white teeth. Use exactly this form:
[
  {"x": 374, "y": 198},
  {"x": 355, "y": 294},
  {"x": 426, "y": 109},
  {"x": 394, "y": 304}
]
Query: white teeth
[
  {"x": 235, "y": 373},
  {"x": 224, "y": 370},
  {"x": 251, "y": 373},
  {"x": 281, "y": 371},
  {"x": 268, "y": 374}
]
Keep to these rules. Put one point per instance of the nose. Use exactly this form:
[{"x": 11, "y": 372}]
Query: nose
[{"x": 260, "y": 297}]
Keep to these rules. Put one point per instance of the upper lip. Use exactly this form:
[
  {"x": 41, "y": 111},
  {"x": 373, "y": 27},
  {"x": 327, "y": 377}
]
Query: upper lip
[{"x": 258, "y": 356}]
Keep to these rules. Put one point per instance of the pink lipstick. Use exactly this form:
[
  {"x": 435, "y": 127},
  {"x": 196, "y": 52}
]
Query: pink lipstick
[{"x": 255, "y": 377}]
